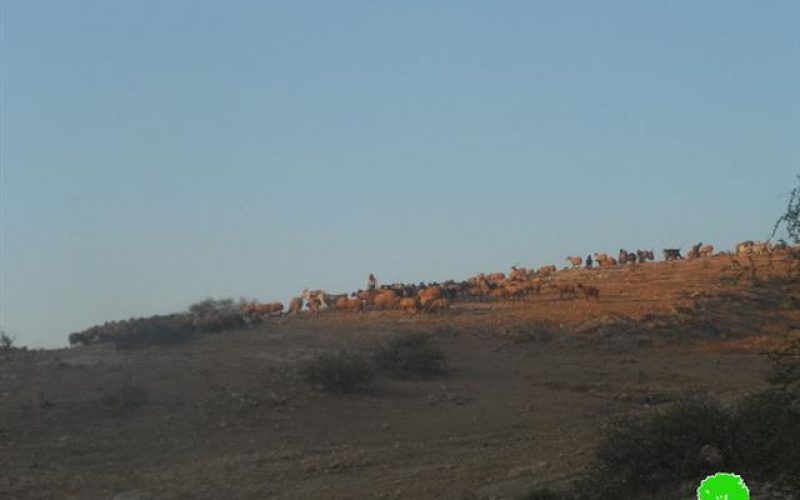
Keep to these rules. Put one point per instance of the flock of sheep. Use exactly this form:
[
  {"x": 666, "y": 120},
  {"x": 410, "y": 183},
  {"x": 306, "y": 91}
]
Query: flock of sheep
[{"x": 519, "y": 284}]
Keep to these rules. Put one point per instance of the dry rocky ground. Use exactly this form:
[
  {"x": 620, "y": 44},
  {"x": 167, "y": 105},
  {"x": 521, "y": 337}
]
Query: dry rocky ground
[{"x": 528, "y": 389}]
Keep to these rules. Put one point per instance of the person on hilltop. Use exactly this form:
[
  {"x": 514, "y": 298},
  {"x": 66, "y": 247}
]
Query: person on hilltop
[
  {"x": 588, "y": 262},
  {"x": 371, "y": 282}
]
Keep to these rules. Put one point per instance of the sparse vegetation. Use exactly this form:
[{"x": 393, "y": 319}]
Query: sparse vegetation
[
  {"x": 648, "y": 455},
  {"x": 172, "y": 329},
  {"x": 762, "y": 428},
  {"x": 339, "y": 373},
  {"x": 691, "y": 440},
  {"x": 785, "y": 364},
  {"x": 6, "y": 341},
  {"x": 124, "y": 398},
  {"x": 216, "y": 315},
  {"x": 410, "y": 356},
  {"x": 543, "y": 494},
  {"x": 791, "y": 217},
  {"x": 206, "y": 316}
]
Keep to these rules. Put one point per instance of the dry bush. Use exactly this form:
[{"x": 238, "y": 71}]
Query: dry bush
[
  {"x": 339, "y": 373},
  {"x": 638, "y": 456},
  {"x": 6, "y": 341},
  {"x": 155, "y": 330},
  {"x": 785, "y": 364},
  {"x": 791, "y": 217},
  {"x": 121, "y": 400},
  {"x": 410, "y": 356},
  {"x": 206, "y": 316}
]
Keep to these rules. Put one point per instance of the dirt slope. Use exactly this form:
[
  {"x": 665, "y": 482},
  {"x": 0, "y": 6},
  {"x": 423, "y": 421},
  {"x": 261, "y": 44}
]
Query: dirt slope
[{"x": 528, "y": 389}]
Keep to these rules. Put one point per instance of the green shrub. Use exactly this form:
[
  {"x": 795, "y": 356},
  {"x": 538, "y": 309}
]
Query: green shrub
[
  {"x": 410, "y": 356},
  {"x": 785, "y": 364},
  {"x": 766, "y": 435},
  {"x": 155, "y": 330},
  {"x": 756, "y": 439},
  {"x": 339, "y": 373},
  {"x": 644, "y": 456}
]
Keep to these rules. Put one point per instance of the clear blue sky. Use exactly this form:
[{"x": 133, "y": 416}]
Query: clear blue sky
[{"x": 155, "y": 153}]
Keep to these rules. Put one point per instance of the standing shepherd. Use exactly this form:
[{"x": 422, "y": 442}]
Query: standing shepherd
[
  {"x": 371, "y": 282},
  {"x": 588, "y": 261}
]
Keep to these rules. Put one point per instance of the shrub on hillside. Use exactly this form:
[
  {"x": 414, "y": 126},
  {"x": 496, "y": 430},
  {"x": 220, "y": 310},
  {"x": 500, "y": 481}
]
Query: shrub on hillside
[
  {"x": 124, "y": 398},
  {"x": 785, "y": 364},
  {"x": 765, "y": 432},
  {"x": 646, "y": 456},
  {"x": 140, "y": 332},
  {"x": 216, "y": 315},
  {"x": 6, "y": 341},
  {"x": 693, "y": 440},
  {"x": 338, "y": 373},
  {"x": 207, "y": 316},
  {"x": 410, "y": 356}
]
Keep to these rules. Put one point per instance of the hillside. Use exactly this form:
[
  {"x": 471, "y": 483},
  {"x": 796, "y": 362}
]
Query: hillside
[{"x": 528, "y": 388}]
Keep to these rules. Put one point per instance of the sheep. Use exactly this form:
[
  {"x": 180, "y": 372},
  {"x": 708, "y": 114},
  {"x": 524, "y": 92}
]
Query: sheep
[
  {"x": 575, "y": 261},
  {"x": 645, "y": 255},
  {"x": 547, "y": 270},
  {"x": 440, "y": 305},
  {"x": 255, "y": 309},
  {"x": 385, "y": 299},
  {"x": 347, "y": 304},
  {"x": 607, "y": 262},
  {"x": 409, "y": 305},
  {"x": 518, "y": 274},
  {"x": 428, "y": 294},
  {"x": 295, "y": 305},
  {"x": 744, "y": 248},
  {"x": 626, "y": 257},
  {"x": 706, "y": 250},
  {"x": 760, "y": 248},
  {"x": 317, "y": 296},
  {"x": 694, "y": 252},
  {"x": 672, "y": 254},
  {"x": 589, "y": 291}
]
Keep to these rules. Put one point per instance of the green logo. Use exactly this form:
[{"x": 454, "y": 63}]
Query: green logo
[{"x": 723, "y": 486}]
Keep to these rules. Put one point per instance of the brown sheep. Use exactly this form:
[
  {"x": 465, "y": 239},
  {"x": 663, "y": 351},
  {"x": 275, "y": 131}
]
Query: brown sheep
[
  {"x": 575, "y": 261},
  {"x": 296, "y": 305},
  {"x": 409, "y": 305},
  {"x": 262, "y": 309},
  {"x": 606, "y": 262},
  {"x": 707, "y": 250},
  {"x": 547, "y": 270},
  {"x": 347, "y": 304},
  {"x": 589, "y": 291},
  {"x": 440, "y": 306},
  {"x": 427, "y": 294},
  {"x": 385, "y": 299},
  {"x": 760, "y": 248},
  {"x": 518, "y": 274}
]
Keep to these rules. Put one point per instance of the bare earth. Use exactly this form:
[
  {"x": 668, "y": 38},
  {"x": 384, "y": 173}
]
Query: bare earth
[{"x": 529, "y": 387}]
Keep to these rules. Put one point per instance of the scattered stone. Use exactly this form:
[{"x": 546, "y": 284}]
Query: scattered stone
[{"x": 711, "y": 455}]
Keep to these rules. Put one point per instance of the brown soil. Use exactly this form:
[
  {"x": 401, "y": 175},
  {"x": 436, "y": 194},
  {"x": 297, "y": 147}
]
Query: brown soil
[{"x": 528, "y": 389}]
